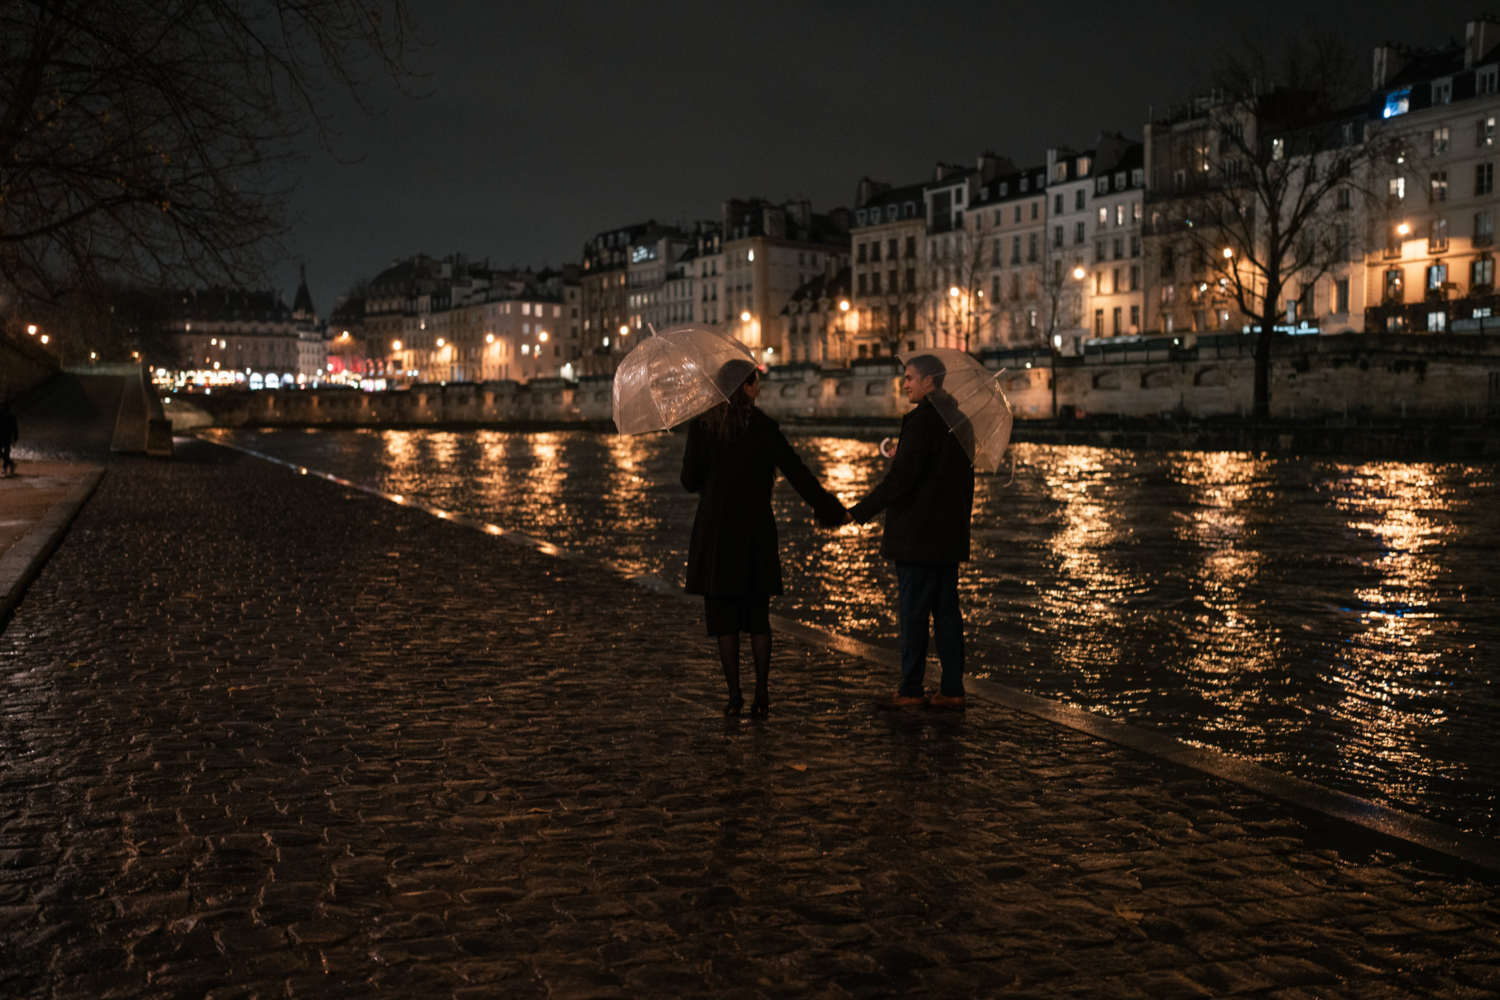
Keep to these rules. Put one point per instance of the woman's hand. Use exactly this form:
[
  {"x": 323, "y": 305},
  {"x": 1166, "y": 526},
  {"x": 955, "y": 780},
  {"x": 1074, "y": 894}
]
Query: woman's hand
[{"x": 892, "y": 442}]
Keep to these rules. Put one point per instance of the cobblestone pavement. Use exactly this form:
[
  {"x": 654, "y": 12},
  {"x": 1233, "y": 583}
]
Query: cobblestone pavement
[{"x": 263, "y": 736}]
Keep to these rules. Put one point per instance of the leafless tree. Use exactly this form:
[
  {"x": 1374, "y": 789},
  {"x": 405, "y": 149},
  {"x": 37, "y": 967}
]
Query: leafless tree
[
  {"x": 953, "y": 298},
  {"x": 147, "y": 141},
  {"x": 1259, "y": 190}
]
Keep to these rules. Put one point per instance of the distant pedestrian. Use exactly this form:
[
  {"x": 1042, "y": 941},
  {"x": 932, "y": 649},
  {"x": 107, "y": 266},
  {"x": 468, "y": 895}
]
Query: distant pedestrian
[
  {"x": 928, "y": 498},
  {"x": 733, "y": 453},
  {"x": 9, "y": 434}
]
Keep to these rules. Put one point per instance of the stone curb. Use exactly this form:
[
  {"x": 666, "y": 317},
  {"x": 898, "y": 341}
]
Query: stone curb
[
  {"x": 1417, "y": 830},
  {"x": 23, "y": 561}
]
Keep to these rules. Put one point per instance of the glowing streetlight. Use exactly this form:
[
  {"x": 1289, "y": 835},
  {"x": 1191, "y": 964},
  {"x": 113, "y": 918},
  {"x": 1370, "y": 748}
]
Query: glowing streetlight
[
  {"x": 745, "y": 316},
  {"x": 1078, "y": 273},
  {"x": 844, "y": 305},
  {"x": 1228, "y": 252},
  {"x": 31, "y": 329},
  {"x": 395, "y": 345},
  {"x": 44, "y": 338},
  {"x": 624, "y": 331},
  {"x": 1403, "y": 229},
  {"x": 489, "y": 338},
  {"x": 542, "y": 336},
  {"x": 953, "y": 291},
  {"x": 440, "y": 341}
]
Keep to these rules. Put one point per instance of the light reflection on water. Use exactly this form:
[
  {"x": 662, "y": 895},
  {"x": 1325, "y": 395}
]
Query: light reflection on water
[{"x": 1335, "y": 620}]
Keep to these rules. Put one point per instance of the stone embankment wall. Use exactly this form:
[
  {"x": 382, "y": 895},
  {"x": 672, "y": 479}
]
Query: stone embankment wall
[
  {"x": 868, "y": 392},
  {"x": 1344, "y": 377},
  {"x": 23, "y": 366},
  {"x": 1350, "y": 377}
]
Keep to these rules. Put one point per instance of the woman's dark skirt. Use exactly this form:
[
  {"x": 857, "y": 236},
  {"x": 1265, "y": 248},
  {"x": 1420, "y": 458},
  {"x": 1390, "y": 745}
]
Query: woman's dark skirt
[{"x": 733, "y": 615}]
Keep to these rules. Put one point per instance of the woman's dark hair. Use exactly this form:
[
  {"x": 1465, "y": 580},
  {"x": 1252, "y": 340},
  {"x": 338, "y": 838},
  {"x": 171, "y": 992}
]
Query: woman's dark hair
[{"x": 729, "y": 419}]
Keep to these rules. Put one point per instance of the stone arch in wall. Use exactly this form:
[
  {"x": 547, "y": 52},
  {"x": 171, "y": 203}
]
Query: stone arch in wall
[
  {"x": 1161, "y": 378},
  {"x": 1211, "y": 377},
  {"x": 1106, "y": 381}
]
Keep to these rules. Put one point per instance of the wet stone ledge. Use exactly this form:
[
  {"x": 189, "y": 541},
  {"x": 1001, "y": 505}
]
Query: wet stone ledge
[{"x": 265, "y": 736}]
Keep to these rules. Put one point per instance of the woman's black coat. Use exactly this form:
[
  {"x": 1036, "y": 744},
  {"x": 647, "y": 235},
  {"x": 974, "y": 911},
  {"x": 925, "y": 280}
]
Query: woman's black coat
[{"x": 733, "y": 548}]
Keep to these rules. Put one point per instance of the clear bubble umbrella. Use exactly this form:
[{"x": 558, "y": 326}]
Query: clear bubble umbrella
[
  {"x": 971, "y": 403},
  {"x": 675, "y": 375}
]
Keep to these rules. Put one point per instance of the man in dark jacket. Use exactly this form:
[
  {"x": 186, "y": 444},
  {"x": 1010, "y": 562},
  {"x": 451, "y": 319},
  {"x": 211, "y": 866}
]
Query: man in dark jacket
[
  {"x": 9, "y": 434},
  {"x": 928, "y": 496}
]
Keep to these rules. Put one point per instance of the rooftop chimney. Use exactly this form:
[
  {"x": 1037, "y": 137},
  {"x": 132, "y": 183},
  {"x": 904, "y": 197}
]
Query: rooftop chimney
[
  {"x": 1389, "y": 60},
  {"x": 1480, "y": 37}
]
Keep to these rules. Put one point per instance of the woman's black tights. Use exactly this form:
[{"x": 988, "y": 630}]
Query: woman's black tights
[{"x": 729, "y": 657}]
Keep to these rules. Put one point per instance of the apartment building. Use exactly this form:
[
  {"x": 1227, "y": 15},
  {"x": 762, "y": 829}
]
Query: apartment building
[
  {"x": 252, "y": 333},
  {"x": 1113, "y": 232},
  {"x": 1433, "y": 268},
  {"x": 889, "y": 286},
  {"x": 605, "y": 297},
  {"x": 819, "y": 323},
  {"x": 1004, "y": 265},
  {"x": 769, "y": 251}
]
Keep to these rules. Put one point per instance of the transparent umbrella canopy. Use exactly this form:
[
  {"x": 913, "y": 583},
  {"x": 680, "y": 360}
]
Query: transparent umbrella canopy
[
  {"x": 973, "y": 406},
  {"x": 675, "y": 375}
]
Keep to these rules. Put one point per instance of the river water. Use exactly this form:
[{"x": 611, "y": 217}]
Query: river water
[{"x": 1336, "y": 620}]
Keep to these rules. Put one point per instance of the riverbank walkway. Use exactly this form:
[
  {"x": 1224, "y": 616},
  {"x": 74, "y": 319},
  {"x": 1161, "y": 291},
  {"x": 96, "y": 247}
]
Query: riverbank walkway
[{"x": 263, "y": 735}]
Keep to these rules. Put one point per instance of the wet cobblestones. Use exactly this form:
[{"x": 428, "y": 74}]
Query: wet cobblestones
[{"x": 262, "y": 736}]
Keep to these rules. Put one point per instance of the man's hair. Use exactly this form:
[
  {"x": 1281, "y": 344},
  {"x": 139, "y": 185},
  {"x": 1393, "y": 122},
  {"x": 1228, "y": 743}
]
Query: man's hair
[{"x": 928, "y": 365}]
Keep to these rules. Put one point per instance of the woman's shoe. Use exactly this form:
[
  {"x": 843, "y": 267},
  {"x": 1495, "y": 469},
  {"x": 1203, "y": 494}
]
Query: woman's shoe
[
  {"x": 761, "y": 707},
  {"x": 735, "y": 703}
]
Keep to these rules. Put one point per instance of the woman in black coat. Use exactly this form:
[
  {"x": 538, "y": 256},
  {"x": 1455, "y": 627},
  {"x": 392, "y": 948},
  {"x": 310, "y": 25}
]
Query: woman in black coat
[{"x": 732, "y": 455}]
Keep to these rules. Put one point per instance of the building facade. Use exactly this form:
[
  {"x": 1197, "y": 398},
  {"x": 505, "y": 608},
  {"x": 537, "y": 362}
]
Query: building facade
[
  {"x": 1114, "y": 241},
  {"x": 1432, "y": 268},
  {"x": 889, "y": 286},
  {"x": 768, "y": 252}
]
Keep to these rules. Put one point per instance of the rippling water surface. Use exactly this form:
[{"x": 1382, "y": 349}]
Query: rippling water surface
[{"x": 1337, "y": 620}]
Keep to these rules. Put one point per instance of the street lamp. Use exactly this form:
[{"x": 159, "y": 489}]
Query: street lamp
[
  {"x": 1078, "y": 273},
  {"x": 1228, "y": 252}
]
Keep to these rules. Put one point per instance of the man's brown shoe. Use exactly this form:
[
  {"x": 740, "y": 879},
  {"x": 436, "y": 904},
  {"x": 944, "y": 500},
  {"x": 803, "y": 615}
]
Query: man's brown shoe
[
  {"x": 955, "y": 702},
  {"x": 899, "y": 700}
]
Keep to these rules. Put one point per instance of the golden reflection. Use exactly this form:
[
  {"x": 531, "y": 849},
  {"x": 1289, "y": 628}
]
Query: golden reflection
[
  {"x": 1225, "y": 638},
  {"x": 1404, "y": 509}
]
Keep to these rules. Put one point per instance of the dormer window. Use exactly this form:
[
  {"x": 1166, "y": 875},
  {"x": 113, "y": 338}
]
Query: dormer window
[
  {"x": 1487, "y": 80},
  {"x": 1084, "y": 163},
  {"x": 1024, "y": 183},
  {"x": 1120, "y": 181},
  {"x": 958, "y": 196},
  {"x": 1442, "y": 90},
  {"x": 1004, "y": 188},
  {"x": 1101, "y": 185}
]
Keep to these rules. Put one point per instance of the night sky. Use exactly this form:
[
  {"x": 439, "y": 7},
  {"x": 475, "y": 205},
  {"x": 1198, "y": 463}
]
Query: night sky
[{"x": 542, "y": 124}]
